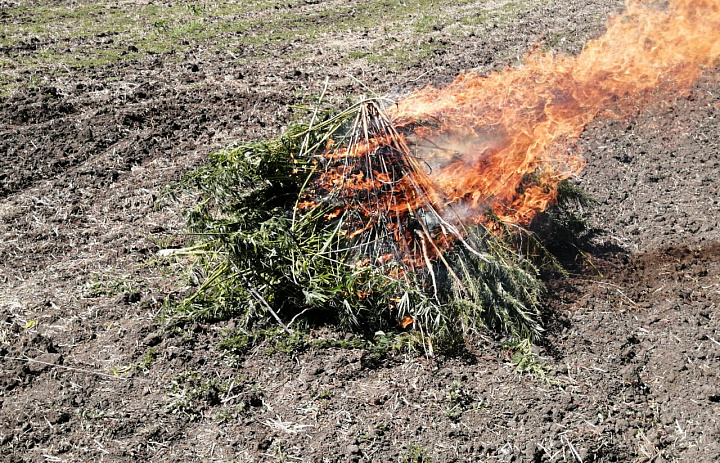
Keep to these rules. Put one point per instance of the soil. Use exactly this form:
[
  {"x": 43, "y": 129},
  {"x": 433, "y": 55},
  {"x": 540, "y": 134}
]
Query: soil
[{"x": 628, "y": 370}]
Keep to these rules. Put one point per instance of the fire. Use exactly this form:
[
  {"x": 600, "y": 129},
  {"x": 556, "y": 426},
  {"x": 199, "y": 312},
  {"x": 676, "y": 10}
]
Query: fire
[
  {"x": 489, "y": 133},
  {"x": 489, "y": 148},
  {"x": 406, "y": 321}
]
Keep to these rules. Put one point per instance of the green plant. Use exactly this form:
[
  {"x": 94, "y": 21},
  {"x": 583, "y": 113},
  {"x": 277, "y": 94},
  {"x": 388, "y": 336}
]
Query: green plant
[
  {"x": 527, "y": 362},
  {"x": 273, "y": 339},
  {"x": 125, "y": 371},
  {"x": 566, "y": 222},
  {"x": 223, "y": 415},
  {"x": 416, "y": 454},
  {"x": 459, "y": 401},
  {"x": 101, "y": 285},
  {"x": 147, "y": 359},
  {"x": 189, "y": 393}
]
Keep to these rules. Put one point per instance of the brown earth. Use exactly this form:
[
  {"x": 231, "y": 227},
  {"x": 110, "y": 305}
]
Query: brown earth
[{"x": 86, "y": 373}]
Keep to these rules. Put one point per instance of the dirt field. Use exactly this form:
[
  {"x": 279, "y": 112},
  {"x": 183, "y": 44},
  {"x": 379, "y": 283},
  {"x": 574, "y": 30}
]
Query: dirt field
[{"x": 102, "y": 105}]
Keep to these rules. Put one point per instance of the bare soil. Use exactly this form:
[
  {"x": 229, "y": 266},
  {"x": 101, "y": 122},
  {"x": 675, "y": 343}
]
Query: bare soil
[{"x": 632, "y": 349}]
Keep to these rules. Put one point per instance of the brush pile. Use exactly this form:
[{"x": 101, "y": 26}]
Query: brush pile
[{"x": 337, "y": 221}]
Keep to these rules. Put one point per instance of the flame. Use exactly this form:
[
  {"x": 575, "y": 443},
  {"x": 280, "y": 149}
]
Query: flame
[
  {"x": 498, "y": 145},
  {"x": 406, "y": 321}
]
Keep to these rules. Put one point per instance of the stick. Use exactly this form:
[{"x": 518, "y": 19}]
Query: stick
[
  {"x": 306, "y": 141},
  {"x": 65, "y": 367},
  {"x": 440, "y": 255},
  {"x": 572, "y": 449},
  {"x": 267, "y": 306},
  {"x": 429, "y": 264},
  {"x": 296, "y": 316}
]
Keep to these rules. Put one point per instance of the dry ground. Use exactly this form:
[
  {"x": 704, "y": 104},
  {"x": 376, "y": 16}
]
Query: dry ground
[{"x": 102, "y": 105}]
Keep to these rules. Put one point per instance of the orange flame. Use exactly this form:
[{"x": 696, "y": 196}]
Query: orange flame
[
  {"x": 502, "y": 143},
  {"x": 495, "y": 130},
  {"x": 406, "y": 321}
]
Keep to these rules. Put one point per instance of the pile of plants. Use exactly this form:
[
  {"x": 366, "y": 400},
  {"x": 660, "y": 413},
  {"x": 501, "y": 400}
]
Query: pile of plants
[{"x": 283, "y": 235}]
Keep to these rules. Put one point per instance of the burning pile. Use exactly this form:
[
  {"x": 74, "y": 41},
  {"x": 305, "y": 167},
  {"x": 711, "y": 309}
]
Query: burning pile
[{"x": 413, "y": 208}]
